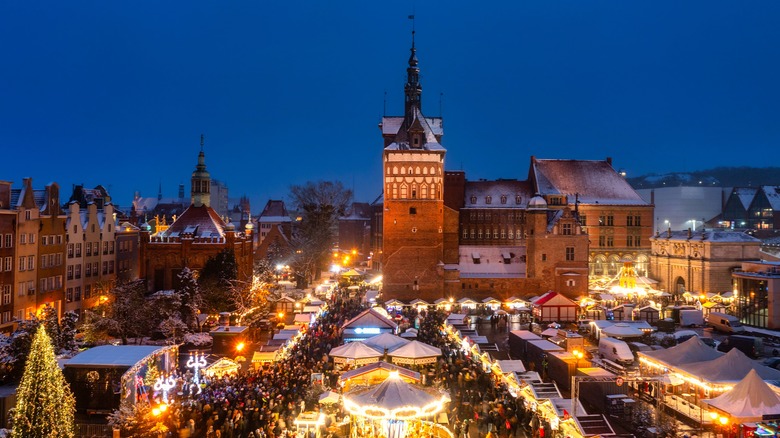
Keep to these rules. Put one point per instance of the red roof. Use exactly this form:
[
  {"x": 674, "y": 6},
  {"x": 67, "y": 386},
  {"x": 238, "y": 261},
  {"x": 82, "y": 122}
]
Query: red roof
[{"x": 199, "y": 222}]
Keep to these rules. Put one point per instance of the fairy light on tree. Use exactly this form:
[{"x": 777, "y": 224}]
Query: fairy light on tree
[{"x": 45, "y": 405}]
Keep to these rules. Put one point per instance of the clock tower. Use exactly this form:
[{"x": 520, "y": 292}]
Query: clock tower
[{"x": 413, "y": 183}]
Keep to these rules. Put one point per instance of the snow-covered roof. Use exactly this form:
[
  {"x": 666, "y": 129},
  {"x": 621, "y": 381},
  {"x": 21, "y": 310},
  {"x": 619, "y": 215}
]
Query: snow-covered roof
[
  {"x": 772, "y": 194},
  {"x": 274, "y": 212},
  {"x": 729, "y": 368},
  {"x": 431, "y": 142},
  {"x": 385, "y": 341},
  {"x": 117, "y": 356},
  {"x": 491, "y": 261},
  {"x": 596, "y": 182},
  {"x": 479, "y": 191},
  {"x": 201, "y": 221},
  {"x": 690, "y": 351},
  {"x": 712, "y": 236},
  {"x": 391, "y": 125},
  {"x": 745, "y": 195}
]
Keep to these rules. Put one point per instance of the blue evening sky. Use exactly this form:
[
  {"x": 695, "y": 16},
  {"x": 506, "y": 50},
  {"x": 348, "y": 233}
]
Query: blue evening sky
[{"x": 117, "y": 93}]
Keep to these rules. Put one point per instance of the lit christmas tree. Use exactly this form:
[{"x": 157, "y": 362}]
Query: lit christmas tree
[{"x": 44, "y": 403}]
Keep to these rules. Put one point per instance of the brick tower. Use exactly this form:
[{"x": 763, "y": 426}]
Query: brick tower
[{"x": 413, "y": 177}]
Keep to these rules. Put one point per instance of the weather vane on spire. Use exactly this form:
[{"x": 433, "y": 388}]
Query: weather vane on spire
[
  {"x": 201, "y": 142},
  {"x": 411, "y": 17}
]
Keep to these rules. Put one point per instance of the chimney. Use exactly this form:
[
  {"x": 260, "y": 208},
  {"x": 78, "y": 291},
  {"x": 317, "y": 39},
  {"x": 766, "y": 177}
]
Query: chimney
[
  {"x": 609, "y": 161},
  {"x": 690, "y": 234}
]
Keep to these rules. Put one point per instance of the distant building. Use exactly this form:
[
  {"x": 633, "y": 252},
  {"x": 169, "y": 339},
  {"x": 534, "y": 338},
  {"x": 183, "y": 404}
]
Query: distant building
[
  {"x": 198, "y": 234},
  {"x": 757, "y": 290},
  {"x": 683, "y": 207},
  {"x": 699, "y": 262},
  {"x": 355, "y": 229},
  {"x": 274, "y": 231},
  {"x": 220, "y": 201}
]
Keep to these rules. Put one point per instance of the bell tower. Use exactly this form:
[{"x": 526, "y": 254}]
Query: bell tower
[{"x": 201, "y": 181}]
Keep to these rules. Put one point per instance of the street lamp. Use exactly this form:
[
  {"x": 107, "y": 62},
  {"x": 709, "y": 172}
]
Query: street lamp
[{"x": 579, "y": 355}]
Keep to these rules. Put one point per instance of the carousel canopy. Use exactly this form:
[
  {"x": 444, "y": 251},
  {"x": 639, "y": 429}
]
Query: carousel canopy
[
  {"x": 354, "y": 351},
  {"x": 380, "y": 367},
  {"x": 622, "y": 331},
  {"x": 692, "y": 350},
  {"x": 394, "y": 399},
  {"x": 749, "y": 400},
  {"x": 415, "y": 352},
  {"x": 728, "y": 368},
  {"x": 385, "y": 341}
]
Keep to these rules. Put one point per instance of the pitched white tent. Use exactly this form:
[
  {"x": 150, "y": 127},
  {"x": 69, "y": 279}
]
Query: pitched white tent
[
  {"x": 355, "y": 352},
  {"x": 415, "y": 353},
  {"x": 749, "y": 400},
  {"x": 729, "y": 368},
  {"x": 692, "y": 350},
  {"x": 622, "y": 331},
  {"x": 385, "y": 341}
]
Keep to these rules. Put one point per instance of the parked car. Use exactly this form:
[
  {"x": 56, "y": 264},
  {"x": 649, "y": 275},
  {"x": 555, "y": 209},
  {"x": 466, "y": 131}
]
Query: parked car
[
  {"x": 772, "y": 362},
  {"x": 710, "y": 342}
]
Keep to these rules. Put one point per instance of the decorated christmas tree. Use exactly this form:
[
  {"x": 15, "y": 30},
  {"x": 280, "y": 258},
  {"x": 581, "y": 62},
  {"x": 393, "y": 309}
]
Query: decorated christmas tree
[{"x": 44, "y": 403}]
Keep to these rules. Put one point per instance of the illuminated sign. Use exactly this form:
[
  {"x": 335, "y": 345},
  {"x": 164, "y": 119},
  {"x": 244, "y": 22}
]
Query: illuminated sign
[{"x": 367, "y": 331}]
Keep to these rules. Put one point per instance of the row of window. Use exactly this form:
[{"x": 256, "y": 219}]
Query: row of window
[
  {"x": 50, "y": 283},
  {"x": 90, "y": 249},
  {"x": 54, "y": 239},
  {"x": 502, "y": 199},
  {"x": 73, "y": 294},
  {"x": 424, "y": 193},
  {"x": 90, "y": 269},
  {"x": 501, "y": 216},
  {"x": 608, "y": 220},
  {"x": 609, "y": 241},
  {"x": 503, "y": 233},
  {"x": 7, "y": 241},
  {"x": 412, "y": 171},
  {"x": 26, "y": 238},
  {"x": 51, "y": 260},
  {"x": 29, "y": 266},
  {"x": 25, "y": 288}
]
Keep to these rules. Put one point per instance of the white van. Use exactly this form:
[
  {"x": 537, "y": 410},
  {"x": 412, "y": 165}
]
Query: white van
[
  {"x": 725, "y": 323},
  {"x": 615, "y": 350}
]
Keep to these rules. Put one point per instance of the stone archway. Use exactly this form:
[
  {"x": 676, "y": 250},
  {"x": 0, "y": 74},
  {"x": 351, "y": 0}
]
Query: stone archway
[{"x": 679, "y": 286}]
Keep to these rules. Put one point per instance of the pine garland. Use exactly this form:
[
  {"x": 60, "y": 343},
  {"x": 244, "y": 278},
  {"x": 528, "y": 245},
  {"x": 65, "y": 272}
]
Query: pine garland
[{"x": 45, "y": 405}]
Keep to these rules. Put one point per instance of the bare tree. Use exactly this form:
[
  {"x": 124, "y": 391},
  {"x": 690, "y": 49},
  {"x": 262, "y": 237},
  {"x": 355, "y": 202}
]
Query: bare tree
[{"x": 320, "y": 204}]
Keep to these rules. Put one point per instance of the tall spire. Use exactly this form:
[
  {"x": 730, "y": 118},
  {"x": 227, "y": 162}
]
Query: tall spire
[
  {"x": 412, "y": 89},
  {"x": 200, "y": 191},
  {"x": 159, "y": 191}
]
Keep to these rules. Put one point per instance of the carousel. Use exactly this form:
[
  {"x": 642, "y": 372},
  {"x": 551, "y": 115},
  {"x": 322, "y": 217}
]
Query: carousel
[{"x": 396, "y": 409}]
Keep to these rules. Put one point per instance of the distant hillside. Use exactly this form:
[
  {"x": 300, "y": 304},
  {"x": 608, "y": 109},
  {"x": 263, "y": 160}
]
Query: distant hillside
[{"x": 720, "y": 177}]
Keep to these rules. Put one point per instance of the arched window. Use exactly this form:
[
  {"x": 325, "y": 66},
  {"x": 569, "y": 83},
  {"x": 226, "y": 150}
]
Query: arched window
[
  {"x": 414, "y": 191},
  {"x": 417, "y": 171},
  {"x": 395, "y": 171},
  {"x": 423, "y": 191},
  {"x": 395, "y": 191},
  {"x": 388, "y": 170},
  {"x": 425, "y": 170},
  {"x": 404, "y": 192},
  {"x": 410, "y": 171}
]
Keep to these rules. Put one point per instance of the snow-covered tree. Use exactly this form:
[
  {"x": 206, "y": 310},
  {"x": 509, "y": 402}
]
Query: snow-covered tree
[
  {"x": 68, "y": 324},
  {"x": 190, "y": 296},
  {"x": 126, "y": 315},
  {"x": 173, "y": 329},
  {"x": 45, "y": 406},
  {"x": 215, "y": 281},
  {"x": 15, "y": 351}
]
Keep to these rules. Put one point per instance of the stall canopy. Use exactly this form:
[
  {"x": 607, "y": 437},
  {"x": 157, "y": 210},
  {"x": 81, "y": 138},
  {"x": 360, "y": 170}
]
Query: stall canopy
[
  {"x": 729, "y": 368},
  {"x": 622, "y": 331},
  {"x": 692, "y": 350},
  {"x": 749, "y": 400},
  {"x": 409, "y": 333},
  {"x": 356, "y": 352},
  {"x": 375, "y": 373},
  {"x": 329, "y": 397},
  {"x": 510, "y": 366},
  {"x": 385, "y": 342},
  {"x": 415, "y": 353}
]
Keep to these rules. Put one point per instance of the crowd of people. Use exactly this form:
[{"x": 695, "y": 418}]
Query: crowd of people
[{"x": 264, "y": 402}]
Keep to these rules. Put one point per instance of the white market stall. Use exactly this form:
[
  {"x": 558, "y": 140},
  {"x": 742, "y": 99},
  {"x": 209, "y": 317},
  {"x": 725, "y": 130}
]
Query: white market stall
[
  {"x": 415, "y": 353},
  {"x": 355, "y": 353}
]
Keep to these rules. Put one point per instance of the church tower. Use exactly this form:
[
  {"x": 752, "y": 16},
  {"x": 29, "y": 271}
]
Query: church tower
[
  {"x": 201, "y": 181},
  {"x": 413, "y": 181}
]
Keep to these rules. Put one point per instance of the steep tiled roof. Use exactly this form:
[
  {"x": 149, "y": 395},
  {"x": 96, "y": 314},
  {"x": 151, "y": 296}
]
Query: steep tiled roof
[
  {"x": 391, "y": 125},
  {"x": 199, "y": 221},
  {"x": 401, "y": 141},
  {"x": 274, "y": 211},
  {"x": 745, "y": 195},
  {"x": 478, "y": 191},
  {"x": 596, "y": 182}
]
